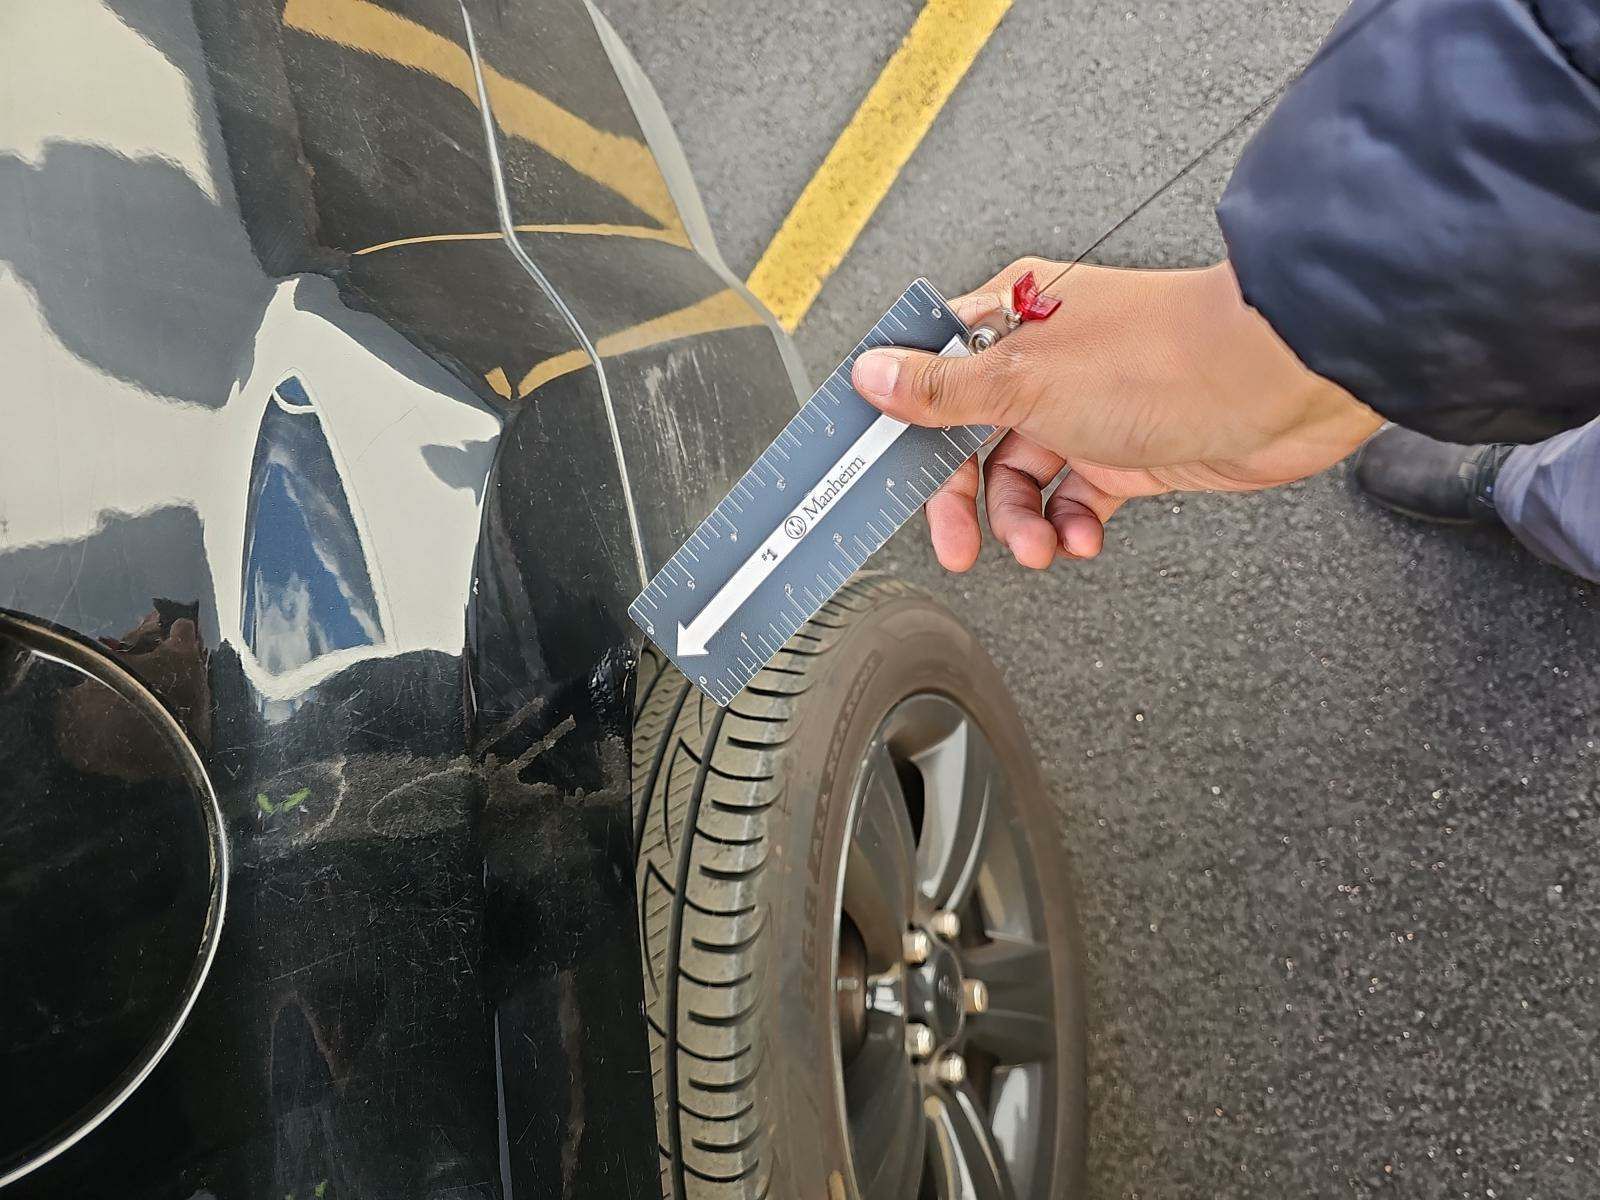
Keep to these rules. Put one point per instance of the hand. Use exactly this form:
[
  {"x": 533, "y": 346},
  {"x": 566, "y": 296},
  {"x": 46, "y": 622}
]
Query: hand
[{"x": 1142, "y": 382}]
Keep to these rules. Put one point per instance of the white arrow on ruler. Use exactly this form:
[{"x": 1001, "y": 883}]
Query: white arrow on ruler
[{"x": 793, "y": 529}]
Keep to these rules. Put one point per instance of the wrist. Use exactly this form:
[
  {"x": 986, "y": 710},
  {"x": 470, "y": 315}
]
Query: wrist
[{"x": 1270, "y": 404}]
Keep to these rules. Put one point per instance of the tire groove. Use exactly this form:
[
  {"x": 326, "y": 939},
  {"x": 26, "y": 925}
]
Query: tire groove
[
  {"x": 737, "y": 947},
  {"x": 657, "y": 759},
  {"x": 730, "y": 913},
  {"x": 718, "y": 1058},
  {"x": 741, "y": 809},
  {"x": 650, "y": 688},
  {"x": 729, "y": 984},
  {"x": 747, "y": 744},
  {"x": 743, "y": 1143},
  {"x": 730, "y": 1021},
  {"x": 727, "y": 841},
  {"x": 724, "y": 875},
  {"x": 730, "y": 1118},
  {"x": 674, "y": 946},
  {"x": 731, "y": 778}
]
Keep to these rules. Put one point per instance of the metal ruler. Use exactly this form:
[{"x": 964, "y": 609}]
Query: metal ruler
[{"x": 829, "y": 491}]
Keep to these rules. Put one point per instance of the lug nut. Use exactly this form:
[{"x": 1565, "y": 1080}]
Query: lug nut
[
  {"x": 974, "y": 996},
  {"x": 917, "y": 946},
  {"x": 946, "y": 924},
  {"x": 919, "y": 1041},
  {"x": 951, "y": 1070}
]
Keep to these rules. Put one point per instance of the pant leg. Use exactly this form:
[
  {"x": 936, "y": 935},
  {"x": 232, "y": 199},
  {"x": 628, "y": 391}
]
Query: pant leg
[{"x": 1548, "y": 494}]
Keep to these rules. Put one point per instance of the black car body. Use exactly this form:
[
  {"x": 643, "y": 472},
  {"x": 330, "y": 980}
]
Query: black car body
[{"x": 307, "y": 453}]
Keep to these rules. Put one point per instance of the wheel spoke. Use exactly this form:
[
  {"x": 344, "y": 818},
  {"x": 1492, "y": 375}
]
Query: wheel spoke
[
  {"x": 960, "y": 779},
  {"x": 1019, "y": 1024},
  {"x": 878, "y": 871},
  {"x": 884, "y": 1103},
  {"x": 963, "y": 1158}
]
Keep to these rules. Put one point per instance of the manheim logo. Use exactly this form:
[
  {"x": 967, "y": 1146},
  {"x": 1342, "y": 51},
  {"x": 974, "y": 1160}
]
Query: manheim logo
[{"x": 809, "y": 513}]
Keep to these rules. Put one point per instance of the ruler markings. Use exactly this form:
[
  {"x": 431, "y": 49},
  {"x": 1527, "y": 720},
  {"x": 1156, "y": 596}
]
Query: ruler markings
[{"x": 836, "y": 450}]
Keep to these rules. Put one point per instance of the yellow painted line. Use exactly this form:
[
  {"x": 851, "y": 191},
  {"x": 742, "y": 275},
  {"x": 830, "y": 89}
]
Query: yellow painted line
[
  {"x": 553, "y": 367},
  {"x": 857, "y": 173},
  {"x": 650, "y": 233},
  {"x": 621, "y": 164},
  {"x": 498, "y": 381},
  {"x": 726, "y": 309}
]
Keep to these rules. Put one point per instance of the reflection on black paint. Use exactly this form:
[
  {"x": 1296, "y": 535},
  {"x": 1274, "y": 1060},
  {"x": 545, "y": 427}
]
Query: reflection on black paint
[
  {"x": 105, "y": 886},
  {"x": 307, "y": 589},
  {"x": 414, "y": 917}
]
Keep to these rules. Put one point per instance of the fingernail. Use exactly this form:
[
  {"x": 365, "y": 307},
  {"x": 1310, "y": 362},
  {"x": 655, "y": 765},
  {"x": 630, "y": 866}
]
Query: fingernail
[{"x": 875, "y": 373}]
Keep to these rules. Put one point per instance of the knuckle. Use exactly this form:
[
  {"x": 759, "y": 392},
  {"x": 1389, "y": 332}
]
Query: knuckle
[
  {"x": 968, "y": 395},
  {"x": 928, "y": 383},
  {"x": 1023, "y": 397},
  {"x": 992, "y": 388}
]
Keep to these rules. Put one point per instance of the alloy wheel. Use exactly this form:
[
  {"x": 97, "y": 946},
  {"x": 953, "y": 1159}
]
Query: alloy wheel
[{"x": 946, "y": 1035}]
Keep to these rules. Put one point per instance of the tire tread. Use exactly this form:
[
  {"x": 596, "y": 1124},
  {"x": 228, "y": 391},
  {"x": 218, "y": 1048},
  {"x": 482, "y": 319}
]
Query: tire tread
[{"x": 706, "y": 782}]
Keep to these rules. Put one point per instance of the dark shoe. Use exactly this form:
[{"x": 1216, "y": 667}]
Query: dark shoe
[{"x": 1429, "y": 480}]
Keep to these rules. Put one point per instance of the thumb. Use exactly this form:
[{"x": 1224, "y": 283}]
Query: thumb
[{"x": 927, "y": 389}]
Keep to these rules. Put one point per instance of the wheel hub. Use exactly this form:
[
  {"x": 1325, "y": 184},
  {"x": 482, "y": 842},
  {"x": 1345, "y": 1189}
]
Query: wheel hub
[{"x": 934, "y": 994}]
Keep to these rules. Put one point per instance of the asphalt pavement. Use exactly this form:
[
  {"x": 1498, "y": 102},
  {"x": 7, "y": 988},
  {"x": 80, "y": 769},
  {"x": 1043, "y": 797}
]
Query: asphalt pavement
[{"x": 1330, "y": 776}]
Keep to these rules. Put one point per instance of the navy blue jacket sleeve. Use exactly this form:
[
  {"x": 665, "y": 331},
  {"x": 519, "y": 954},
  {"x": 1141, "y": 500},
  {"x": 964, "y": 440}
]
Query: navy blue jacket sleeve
[{"x": 1420, "y": 217}]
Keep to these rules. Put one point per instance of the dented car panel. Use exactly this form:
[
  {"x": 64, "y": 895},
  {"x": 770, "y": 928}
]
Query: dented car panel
[{"x": 296, "y": 441}]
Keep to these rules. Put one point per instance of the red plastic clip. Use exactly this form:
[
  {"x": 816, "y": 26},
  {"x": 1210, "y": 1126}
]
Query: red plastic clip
[{"x": 1028, "y": 304}]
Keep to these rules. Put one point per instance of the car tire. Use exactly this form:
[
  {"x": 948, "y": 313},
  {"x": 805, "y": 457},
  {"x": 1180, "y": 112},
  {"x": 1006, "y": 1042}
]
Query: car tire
[{"x": 793, "y": 937}]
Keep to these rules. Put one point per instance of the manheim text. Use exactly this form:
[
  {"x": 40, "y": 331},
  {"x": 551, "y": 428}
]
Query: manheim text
[{"x": 813, "y": 508}]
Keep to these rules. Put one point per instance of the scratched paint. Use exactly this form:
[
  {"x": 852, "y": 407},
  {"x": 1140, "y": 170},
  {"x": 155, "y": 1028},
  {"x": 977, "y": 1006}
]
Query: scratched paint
[
  {"x": 624, "y": 165},
  {"x": 724, "y": 310}
]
